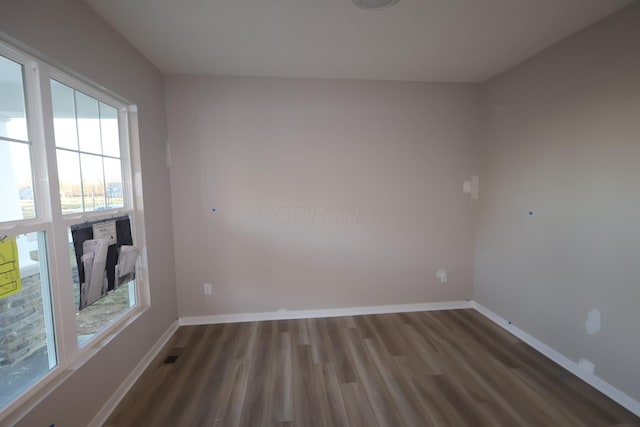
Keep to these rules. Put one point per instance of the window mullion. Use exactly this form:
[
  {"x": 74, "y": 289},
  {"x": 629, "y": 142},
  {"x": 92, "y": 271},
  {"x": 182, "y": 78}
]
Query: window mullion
[
  {"x": 38, "y": 154},
  {"x": 4, "y": 138},
  {"x": 40, "y": 171},
  {"x": 75, "y": 109},
  {"x": 59, "y": 256}
]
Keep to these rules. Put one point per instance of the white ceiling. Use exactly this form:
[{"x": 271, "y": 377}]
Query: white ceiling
[{"x": 417, "y": 40}]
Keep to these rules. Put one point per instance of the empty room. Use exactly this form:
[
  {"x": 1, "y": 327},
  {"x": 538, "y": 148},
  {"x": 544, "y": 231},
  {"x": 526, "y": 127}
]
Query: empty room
[{"x": 319, "y": 213}]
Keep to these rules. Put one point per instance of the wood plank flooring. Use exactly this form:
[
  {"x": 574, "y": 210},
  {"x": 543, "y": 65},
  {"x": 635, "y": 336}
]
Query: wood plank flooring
[{"x": 441, "y": 368}]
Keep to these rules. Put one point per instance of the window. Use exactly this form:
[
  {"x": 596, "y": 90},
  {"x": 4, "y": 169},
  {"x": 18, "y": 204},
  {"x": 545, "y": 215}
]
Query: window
[
  {"x": 64, "y": 164},
  {"x": 87, "y": 150},
  {"x": 90, "y": 170},
  {"x": 27, "y": 350},
  {"x": 15, "y": 145}
]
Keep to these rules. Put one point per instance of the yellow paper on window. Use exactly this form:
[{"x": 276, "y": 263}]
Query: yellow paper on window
[{"x": 10, "y": 282}]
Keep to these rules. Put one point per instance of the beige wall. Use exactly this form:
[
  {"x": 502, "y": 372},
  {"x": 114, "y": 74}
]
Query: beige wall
[
  {"x": 71, "y": 35},
  {"x": 563, "y": 141},
  {"x": 327, "y": 193}
]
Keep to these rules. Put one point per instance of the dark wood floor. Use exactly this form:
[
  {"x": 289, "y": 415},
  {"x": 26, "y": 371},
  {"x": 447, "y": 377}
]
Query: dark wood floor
[{"x": 444, "y": 368}]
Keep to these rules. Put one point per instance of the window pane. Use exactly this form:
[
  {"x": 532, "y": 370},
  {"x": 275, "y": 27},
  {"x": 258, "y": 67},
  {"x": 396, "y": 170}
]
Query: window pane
[
  {"x": 16, "y": 189},
  {"x": 13, "y": 116},
  {"x": 27, "y": 349},
  {"x": 88, "y": 124},
  {"x": 64, "y": 116},
  {"x": 102, "y": 313},
  {"x": 105, "y": 311},
  {"x": 92, "y": 182},
  {"x": 113, "y": 177},
  {"x": 109, "y": 128},
  {"x": 70, "y": 182}
]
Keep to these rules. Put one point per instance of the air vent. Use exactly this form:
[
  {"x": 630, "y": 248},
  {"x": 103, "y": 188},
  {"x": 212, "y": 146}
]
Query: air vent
[{"x": 170, "y": 360}]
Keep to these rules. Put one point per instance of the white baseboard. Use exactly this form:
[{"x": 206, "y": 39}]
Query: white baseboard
[
  {"x": 111, "y": 404},
  {"x": 332, "y": 312},
  {"x": 593, "y": 380}
]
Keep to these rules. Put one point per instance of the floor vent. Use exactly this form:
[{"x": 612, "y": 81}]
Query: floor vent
[{"x": 170, "y": 360}]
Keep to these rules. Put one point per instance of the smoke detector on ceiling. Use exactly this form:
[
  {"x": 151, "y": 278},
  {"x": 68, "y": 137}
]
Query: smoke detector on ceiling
[{"x": 374, "y": 4}]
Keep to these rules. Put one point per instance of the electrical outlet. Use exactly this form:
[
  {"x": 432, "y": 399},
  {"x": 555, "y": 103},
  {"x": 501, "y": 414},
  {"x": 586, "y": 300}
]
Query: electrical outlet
[{"x": 208, "y": 288}]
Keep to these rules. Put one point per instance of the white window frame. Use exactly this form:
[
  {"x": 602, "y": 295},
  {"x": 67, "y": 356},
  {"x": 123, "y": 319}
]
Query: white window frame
[{"x": 50, "y": 220}]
